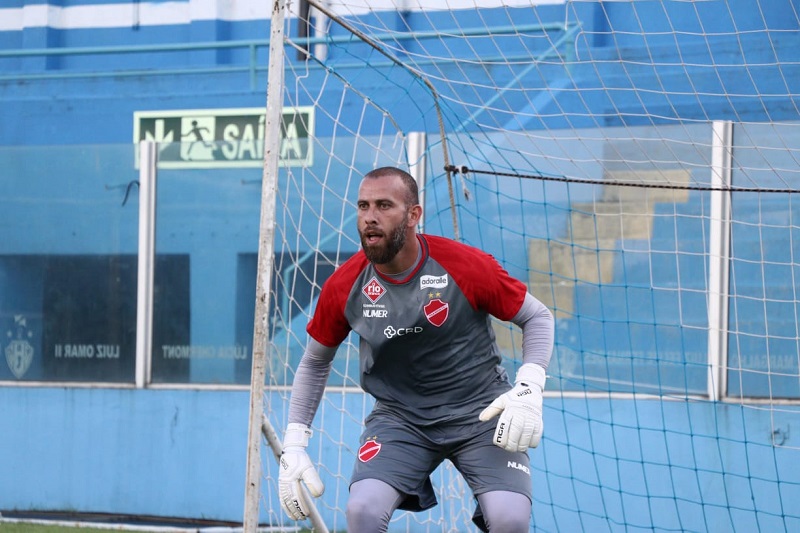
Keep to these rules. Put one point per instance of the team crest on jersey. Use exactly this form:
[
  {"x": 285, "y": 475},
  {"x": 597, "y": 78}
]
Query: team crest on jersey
[
  {"x": 436, "y": 311},
  {"x": 369, "y": 450},
  {"x": 373, "y": 290}
]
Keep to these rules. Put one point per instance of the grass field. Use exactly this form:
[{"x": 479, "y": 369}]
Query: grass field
[
  {"x": 93, "y": 523},
  {"x": 40, "y": 528}
]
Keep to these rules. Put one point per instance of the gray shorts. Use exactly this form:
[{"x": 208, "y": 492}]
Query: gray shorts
[{"x": 404, "y": 456}]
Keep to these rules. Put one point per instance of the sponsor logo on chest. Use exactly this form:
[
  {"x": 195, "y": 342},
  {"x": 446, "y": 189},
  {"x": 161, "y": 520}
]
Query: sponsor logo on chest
[
  {"x": 433, "y": 282},
  {"x": 375, "y": 313},
  {"x": 373, "y": 290}
]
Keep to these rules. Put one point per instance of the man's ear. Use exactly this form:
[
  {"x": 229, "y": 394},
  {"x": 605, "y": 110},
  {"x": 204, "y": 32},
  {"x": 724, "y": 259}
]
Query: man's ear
[{"x": 414, "y": 215}]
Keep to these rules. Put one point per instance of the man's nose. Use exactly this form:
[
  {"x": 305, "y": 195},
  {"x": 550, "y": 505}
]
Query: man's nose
[{"x": 371, "y": 213}]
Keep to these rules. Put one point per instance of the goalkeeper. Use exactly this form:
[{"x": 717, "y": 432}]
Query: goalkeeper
[{"x": 421, "y": 306}]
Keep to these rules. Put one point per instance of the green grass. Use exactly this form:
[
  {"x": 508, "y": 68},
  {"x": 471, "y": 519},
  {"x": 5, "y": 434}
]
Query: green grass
[{"x": 40, "y": 528}]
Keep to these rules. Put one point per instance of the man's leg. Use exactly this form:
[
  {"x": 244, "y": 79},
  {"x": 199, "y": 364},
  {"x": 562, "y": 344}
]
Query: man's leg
[
  {"x": 370, "y": 506},
  {"x": 505, "y": 511},
  {"x": 501, "y": 480}
]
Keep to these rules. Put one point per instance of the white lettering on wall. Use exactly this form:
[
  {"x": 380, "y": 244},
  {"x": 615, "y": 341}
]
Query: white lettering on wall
[
  {"x": 86, "y": 351},
  {"x": 199, "y": 351}
]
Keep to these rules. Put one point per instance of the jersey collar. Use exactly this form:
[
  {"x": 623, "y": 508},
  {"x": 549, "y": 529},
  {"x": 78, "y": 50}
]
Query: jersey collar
[{"x": 421, "y": 258}]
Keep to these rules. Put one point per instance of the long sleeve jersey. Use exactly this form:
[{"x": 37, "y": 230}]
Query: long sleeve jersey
[{"x": 427, "y": 349}]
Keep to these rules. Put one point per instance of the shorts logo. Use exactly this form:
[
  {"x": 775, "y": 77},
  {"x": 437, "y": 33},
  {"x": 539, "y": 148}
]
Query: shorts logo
[
  {"x": 373, "y": 290},
  {"x": 433, "y": 282},
  {"x": 436, "y": 311},
  {"x": 369, "y": 450},
  {"x": 518, "y": 466}
]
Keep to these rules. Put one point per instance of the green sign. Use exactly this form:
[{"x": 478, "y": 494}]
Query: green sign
[{"x": 224, "y": 138}]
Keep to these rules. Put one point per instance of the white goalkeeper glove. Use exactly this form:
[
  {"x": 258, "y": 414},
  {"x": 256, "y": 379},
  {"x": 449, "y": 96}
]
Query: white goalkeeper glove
[
  {"x": 520, "y": 425},
  {"x": 295, "y": 465}
]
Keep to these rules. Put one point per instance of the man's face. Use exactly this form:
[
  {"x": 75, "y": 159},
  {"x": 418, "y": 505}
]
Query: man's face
[{"x": 382, "y": 218}]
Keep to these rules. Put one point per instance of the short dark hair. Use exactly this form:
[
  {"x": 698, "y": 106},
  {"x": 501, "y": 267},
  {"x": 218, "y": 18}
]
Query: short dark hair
[{"x": 412, "y": 193}]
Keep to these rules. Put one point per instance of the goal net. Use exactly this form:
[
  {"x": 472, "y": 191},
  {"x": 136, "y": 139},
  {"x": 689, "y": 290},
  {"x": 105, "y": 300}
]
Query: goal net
[{"x": 636, "y": 163}]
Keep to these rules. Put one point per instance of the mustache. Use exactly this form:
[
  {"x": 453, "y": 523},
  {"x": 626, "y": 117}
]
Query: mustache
[{"x": 371, "y": 229}]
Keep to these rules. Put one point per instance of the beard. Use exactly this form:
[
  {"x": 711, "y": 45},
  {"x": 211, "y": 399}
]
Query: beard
[{"x": 381, "y": 254}]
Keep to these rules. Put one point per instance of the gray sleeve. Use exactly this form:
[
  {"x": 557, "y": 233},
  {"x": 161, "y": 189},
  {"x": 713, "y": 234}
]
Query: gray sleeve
[
  {"x": 538, "y": 331},
  {"x": 309, "y": 382}
]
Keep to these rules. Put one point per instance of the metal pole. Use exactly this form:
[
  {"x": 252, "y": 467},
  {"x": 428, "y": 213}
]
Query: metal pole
[
  {"x": 417, "y": 160},
  {"x": 719, "y": 258},
  {"x": 276, "y": 446},
  {"x": 272, "y": 132},
  {"x": 148, "y": 152}
]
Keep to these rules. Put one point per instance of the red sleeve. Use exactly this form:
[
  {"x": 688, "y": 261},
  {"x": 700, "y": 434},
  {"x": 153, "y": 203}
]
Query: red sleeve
[
  {"x": 329, "y": 325},
  {"x": 485, "y": 283}
]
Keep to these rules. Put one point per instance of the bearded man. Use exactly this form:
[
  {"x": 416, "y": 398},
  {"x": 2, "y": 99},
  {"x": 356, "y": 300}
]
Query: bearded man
[{"x": 422, "y": 307}]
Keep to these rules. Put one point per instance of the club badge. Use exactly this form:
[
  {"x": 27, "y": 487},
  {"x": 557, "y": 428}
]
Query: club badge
[
  {"x": 437, "y": 311},
  {"x": 369, "y": 450}
]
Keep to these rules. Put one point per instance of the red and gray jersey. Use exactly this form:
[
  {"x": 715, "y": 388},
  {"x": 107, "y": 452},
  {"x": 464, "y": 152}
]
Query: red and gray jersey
[{"x": 427, "y": 348}]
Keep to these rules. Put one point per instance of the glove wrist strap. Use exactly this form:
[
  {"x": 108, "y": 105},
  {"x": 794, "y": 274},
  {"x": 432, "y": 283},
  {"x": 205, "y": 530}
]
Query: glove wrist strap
[
  {"x": 531, "y": 374},
  {"x": 297, "y": 435}
]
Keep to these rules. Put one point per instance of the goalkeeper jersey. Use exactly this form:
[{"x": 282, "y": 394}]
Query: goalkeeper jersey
[{"x": 427, "y": 348}]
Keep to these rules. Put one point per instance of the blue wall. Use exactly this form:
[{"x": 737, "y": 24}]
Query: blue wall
[
  {"x": 181, "y": 453},
  {"x": 166, "y": 453}
]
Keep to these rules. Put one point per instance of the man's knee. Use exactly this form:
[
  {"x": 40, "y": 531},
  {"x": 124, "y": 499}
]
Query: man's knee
[
  {"x": 513, "y": 523},
  {"x": 506, "y": 512},
  {"x": 370, "y": 506},
  {"x": 363, "y": 511}
]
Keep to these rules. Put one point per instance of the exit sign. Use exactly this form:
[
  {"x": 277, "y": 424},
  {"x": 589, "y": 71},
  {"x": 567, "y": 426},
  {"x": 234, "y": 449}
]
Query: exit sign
[{"x": 224, "y": 138}]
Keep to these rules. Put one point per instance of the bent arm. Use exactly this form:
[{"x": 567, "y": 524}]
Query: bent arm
[
  {"x": 538, "y": 331},
  {"x": 309, "y": 382}
]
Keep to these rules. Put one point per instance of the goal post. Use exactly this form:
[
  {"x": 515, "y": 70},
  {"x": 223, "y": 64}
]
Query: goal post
[{"x": 272, "y": 134}]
